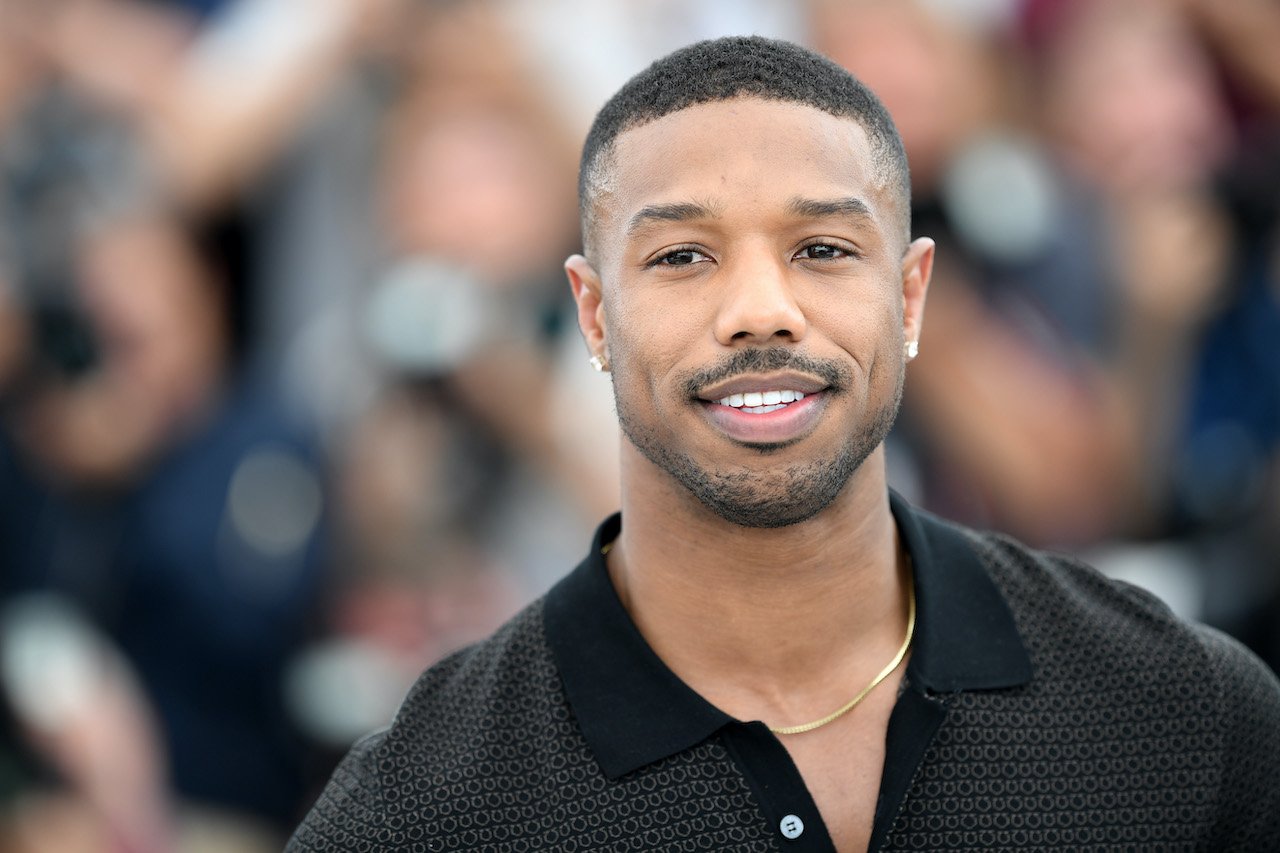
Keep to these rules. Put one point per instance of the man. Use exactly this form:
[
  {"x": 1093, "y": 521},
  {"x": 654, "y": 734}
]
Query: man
[{"x": 724, "y": 670}]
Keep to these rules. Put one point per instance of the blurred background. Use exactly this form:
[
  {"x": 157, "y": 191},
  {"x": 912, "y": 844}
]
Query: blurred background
[{"x": 292, "y": 401}]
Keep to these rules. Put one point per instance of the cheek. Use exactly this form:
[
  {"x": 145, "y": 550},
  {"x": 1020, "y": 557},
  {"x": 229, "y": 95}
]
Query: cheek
[
  {"x": 650, "y": 335},
  {"x": 861, "y": 327},
  {"x": 649, "y": 328}
]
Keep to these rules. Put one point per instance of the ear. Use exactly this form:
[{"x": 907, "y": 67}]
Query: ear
[
  {"x": 917, "y": 269},
  {"x": 584, "y": 281}
]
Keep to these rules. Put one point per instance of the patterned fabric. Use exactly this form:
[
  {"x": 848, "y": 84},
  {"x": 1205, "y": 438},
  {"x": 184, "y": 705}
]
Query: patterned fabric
[
  {"x": 485, "y": 755},
  {"x": 1136, "y": 731}
]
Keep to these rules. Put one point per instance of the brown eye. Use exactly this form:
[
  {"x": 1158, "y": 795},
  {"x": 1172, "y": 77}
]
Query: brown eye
[
  {"x": 822, "y": 252},
  {"x": 679, "y": 258}
]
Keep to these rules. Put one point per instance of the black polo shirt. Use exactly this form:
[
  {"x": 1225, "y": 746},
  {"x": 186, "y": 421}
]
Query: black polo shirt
[{"x": 1043, "y": 706}]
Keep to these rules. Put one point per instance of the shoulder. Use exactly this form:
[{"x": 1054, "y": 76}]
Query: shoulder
[
  {"x": 1248, "y": 705},
  {"x": 1119, "y": 648},
  {"x": 482, "y": 712},
  {"x": 1069, "y": 614},
  {"x": 1128, "y": 699}
]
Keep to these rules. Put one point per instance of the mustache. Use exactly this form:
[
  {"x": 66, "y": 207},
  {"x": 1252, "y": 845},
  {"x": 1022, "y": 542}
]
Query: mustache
[{"x": 763, "y": 359}]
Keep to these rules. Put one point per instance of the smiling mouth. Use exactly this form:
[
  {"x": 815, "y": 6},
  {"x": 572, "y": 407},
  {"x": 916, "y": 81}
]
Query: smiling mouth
[
  {"x": 760, "y": 413},
  {"x": 767, "y": 398},
  {"x": 761, "y": 402}
]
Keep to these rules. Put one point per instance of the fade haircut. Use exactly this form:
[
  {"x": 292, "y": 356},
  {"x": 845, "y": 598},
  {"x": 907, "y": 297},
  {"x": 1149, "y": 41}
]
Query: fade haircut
[{"x": 734, "y": 67}]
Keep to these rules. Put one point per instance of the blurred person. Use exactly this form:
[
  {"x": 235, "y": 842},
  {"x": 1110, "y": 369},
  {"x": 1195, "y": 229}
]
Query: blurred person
[
  {"x": 159, "y": 491},
  {"x": 1182, "y": 203},
  {"x": 1233, "y": 430},
  {"x": 257, "y": 110},
  {"x": 473, "y": 188},
  {"x": 476, "y": 215},
  {"x": 750, "y": 282},
  {"x": 457, "y": 495},
  {"x": 1136, "y": 118}
]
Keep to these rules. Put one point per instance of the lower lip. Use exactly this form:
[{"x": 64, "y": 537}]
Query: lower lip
[{"x": 784, "y": 425}]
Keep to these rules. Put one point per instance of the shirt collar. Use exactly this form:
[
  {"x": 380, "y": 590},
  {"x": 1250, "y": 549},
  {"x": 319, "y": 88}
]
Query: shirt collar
[
  {"x": 966, "y": 638},
  {"x": 633, "y": 710}
]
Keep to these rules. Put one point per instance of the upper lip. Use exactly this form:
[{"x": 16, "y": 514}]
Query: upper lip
[{"x": 748, "y": 382}]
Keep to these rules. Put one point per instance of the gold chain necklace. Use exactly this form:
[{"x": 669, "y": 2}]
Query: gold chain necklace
[{"x": 884, "y": 673}]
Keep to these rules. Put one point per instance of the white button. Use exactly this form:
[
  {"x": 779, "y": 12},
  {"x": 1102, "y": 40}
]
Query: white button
[{"x": 791, "y": 826}]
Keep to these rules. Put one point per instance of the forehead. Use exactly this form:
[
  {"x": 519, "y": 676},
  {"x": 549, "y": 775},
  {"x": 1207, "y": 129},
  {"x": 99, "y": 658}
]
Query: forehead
[{"x": 743, "y": 156}]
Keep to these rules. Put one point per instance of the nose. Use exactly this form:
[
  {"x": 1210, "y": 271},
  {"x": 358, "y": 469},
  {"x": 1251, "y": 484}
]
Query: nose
[{"x": 759, "y": 304}]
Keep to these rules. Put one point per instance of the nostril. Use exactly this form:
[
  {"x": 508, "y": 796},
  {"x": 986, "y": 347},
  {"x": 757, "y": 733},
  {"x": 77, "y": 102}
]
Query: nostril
[{"x": 780, "y": 333}]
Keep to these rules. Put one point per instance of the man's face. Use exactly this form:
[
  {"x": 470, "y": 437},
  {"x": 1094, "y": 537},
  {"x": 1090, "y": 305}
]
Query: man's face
[{"x": 752, "y": 297}]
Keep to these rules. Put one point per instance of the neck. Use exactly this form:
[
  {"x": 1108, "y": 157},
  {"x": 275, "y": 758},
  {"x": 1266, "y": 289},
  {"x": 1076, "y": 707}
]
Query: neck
[{"x": 772, "y": 624}]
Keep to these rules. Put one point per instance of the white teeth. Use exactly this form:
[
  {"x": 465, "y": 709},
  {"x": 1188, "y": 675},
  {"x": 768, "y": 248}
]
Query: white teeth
[{"x": 757, "y": 402}]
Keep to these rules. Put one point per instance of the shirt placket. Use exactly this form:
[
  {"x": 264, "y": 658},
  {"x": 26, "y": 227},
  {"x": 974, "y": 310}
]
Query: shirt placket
[{"x": 789, "y": 810}]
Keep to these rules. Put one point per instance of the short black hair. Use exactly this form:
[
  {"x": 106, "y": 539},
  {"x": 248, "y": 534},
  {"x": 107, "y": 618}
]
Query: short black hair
[{"x": 734, "y": 67}]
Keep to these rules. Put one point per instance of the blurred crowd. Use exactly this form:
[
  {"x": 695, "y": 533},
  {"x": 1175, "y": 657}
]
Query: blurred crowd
[{"x": 292, "y": 401}]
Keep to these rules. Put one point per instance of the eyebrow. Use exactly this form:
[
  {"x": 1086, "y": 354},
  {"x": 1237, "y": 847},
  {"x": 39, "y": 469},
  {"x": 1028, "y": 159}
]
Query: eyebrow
[
  {"x": 851, "y": 207},
  {"x": 679, "y": 212}
]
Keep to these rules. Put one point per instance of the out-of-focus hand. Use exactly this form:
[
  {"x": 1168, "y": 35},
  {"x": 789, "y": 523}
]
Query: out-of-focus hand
[
  {"x": 117, "y": 51},
  {"x": 81, "y": 707}
]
